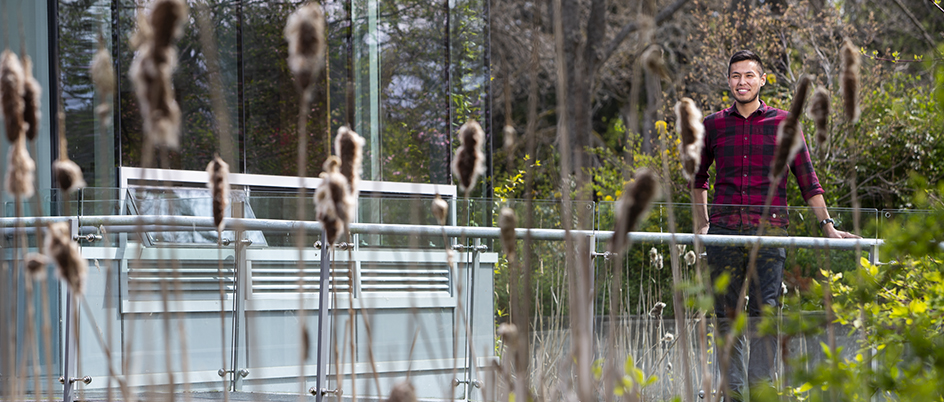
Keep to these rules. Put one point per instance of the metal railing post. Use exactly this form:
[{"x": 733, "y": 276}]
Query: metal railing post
[{"x": 323, "y": 334}]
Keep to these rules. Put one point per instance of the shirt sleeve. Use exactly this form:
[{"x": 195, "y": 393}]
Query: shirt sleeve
[
  {"x": 802, "y": 168},
  {"x": 707, "y": 158}
]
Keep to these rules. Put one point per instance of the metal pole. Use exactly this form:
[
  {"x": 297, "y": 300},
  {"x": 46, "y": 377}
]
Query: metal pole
[
  {"x": 68, "y": 361},
  {"x": 323, "y": 334}
]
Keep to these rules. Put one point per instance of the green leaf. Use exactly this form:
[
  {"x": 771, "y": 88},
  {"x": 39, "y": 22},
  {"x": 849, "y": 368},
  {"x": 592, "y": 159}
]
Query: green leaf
[{"x": 805, "y": 387}]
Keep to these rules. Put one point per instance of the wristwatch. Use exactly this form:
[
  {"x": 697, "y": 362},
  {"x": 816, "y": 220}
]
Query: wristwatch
[{"x": 825, "y": 221}]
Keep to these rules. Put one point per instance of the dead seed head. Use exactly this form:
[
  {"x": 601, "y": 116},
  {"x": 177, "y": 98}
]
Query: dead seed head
[
  {"x": 470, "y": 161},
  {"x": 402, "y": 392},
  {"x": 656, "y": 310},
  {"x": 690, "y": 258},
  {"x": 849, "y": 76},
  {"x": 304, "y": 32},
  {"x": 306, "y": 343},
  {"x": 333, "y": 203},
  {"x": 633, "y": 206},
  {"x": 11, "y": 94},
  {"x": 508, "y": 332},
  {"x": 654, "y": 63},
  {"x": 668, "y": 338},
  {"x": 154, "y": 63},
  {"x": 789, "y": 135},
  {"x": 510, "y": 136},
  {"x": 103, "y": 76},
  {"x": 36, "y": 266},
  {"x": 20, "y": 170},
  {"x": 349, "y": 146},
  {"x": 507, "y": 222},
  {"x": 440, "y": 209},
  {"x": 819, "y": 113},
  {"x": 691, "y": 133},
  {"x": 218, "y": 171},
  {"x": 68, "y": 175},
  {"x": 31, "y": 94},
  {"x": 72, "y": 267}
]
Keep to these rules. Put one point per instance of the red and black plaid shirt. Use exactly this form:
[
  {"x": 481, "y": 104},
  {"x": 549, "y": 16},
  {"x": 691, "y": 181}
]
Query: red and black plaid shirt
[{"x": 743, "y": 149}]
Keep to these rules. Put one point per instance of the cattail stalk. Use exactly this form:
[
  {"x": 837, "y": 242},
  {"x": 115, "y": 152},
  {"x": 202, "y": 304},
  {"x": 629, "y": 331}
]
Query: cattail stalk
[
  {"x": 819, "y": 113},
  {"x": 151, "y": 71},
  {"x": 11, "y": 94},
  {"x": 349, "y": 147},
  {"x": 691, "y": 131},
  {"x": 789, "y": 134},
  {"x": 218, "y": 172},
  {"x": 633, "y": 206},
  {"x": 31, "y": 94},
  {"x": 72, "y": 267},
  {"x": 469, "y": 162},
  {"x": 849, "y": 77}
]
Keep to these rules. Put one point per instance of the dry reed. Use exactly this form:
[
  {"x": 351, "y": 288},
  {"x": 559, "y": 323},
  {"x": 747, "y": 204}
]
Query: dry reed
[
  {"x": 849, "y": 77},
  {"x": 789, "y": 135},
  {"x": 103, "y": 76},
  {"x": 72, "y": 267},
  {"x": 334, "y": 205},
  {"x": 218, "y": 170},
  {"x": 152, "y": 69},
  {"x": 819, "y": 113},
  {"x": 691, "y": 132},
  {"x": 20, "y": 170},
  {"x": 632, "y": 207},
  {"x": 31, "y": 94},
  {"x": 349, "y": 147},
  {"x": 304, "y": 32},
  {"x": 469, "y": 162},
  {"x": 11, "y": 94}
]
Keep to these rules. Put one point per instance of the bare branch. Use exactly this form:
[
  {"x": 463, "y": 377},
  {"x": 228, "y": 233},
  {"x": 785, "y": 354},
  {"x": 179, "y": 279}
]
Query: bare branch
[{"x": 631, "y": 27}]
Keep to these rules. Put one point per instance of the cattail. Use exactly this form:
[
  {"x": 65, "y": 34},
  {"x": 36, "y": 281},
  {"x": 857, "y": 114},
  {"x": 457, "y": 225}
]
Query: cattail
[
  {"x": 103, "y": 76},
  {"x": 304, "y": 32},
  {"x": 440, "y": 209},
  {"x": 470, "y": 161},
  {"x": 73, "y": 268},
  {"x": 654, "y": 63},
  {"x": 789, "y": 136},
  {"x": 656, "y": 310},
  {"x": 633, "y": 206},
  {"x": 849, "y": 76},
  {"x": 507, "y": 222},
  {"x": 668, "y": 337},
  {"x": 655, "y": 259},
  {"x": 402, "y": 392},
  {"x": 508, "y": 332},
  {"x": 819, "y": 113},
  {"x": 31, "y": 106},
  {"x": 20, "y": 170},
  {"x": 333, "y": 201},
  {"x": 68, "y": 175},
  {"x": 36, "y": 266},
  {"x": 306, "y": 343},
  {"x": 510, "y": 136},
  {"x": 11, "y": 94},
  {"x": 349, "y": 146},
  {"x": 154, "y": 63},
  {"x": 691, "y": 132},
  {"x": 690, "y": 258},
  {"x": 218, "y": 170}
]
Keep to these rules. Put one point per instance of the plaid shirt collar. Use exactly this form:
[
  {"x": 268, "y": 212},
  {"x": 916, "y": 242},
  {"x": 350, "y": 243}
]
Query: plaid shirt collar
[{"x": 733, "y": 110}]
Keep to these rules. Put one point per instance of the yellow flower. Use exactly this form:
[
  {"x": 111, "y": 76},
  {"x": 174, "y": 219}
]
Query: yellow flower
[
  {"x": 772, "y": 78},
  {"x": 619, "y": 193},
  {"x": 661, "y": 126},
  {"x": 725, "y": 98},
  {"x": 608, "y": 198},
  {"x": 557, "y": 194}
]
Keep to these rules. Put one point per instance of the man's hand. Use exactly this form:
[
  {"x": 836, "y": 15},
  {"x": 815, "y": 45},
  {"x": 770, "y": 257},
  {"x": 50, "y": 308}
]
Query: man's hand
[
  {"x": 702, "y": 230},
  {"x": 830, "y": 231}
]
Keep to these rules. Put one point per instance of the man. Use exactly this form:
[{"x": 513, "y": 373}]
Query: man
[{"x": 741, "y": 140}]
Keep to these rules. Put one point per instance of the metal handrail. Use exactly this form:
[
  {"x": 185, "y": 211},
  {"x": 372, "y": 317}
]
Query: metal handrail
[{"x": 130, "y": 223}]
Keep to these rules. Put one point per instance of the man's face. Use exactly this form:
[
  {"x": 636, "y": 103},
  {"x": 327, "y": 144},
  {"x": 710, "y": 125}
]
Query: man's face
[{"x": 745, "y": 80}]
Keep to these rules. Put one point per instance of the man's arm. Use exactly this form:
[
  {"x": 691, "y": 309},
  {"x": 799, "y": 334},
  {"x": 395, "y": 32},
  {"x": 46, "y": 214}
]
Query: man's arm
[
  {"x": 700, "y": 199},
  {"x": 818, "y": 203}
]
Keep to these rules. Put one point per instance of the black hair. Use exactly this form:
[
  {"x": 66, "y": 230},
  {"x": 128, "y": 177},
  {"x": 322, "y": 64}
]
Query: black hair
[{"x": 742, "y": 55}]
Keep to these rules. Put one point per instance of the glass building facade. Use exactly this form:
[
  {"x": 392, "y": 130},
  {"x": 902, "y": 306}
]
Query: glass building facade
[{"x": 405, "y": 74}]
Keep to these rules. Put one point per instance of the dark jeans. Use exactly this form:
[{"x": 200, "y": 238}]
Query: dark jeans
[{"x": 734, "y": 261}]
